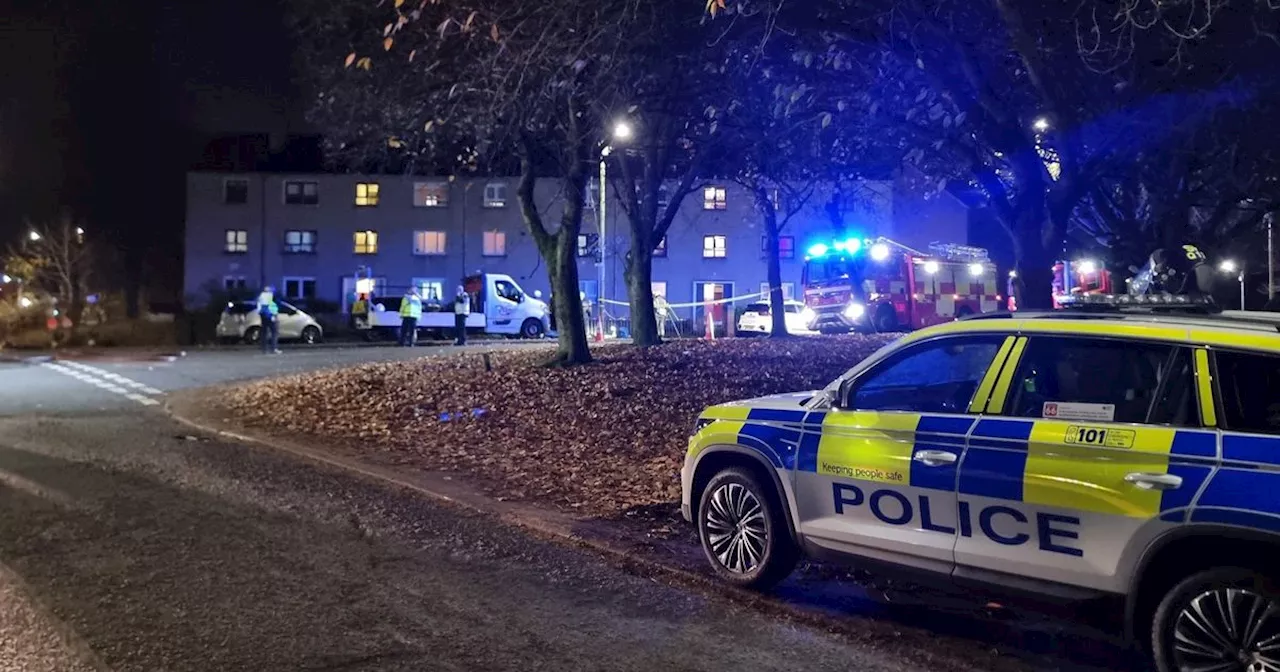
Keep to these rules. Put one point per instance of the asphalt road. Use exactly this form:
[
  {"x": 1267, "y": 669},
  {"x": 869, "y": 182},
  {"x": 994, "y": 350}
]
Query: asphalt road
[{"x": 126, "y": 543}]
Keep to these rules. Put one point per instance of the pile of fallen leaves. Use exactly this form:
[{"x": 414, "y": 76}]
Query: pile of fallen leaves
[{"x": 598, "y": 438}]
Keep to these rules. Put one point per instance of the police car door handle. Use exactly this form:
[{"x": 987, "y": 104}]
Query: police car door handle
[
  {"x": 1154, "y": 481},
  {"x": 935, "y": 458}
]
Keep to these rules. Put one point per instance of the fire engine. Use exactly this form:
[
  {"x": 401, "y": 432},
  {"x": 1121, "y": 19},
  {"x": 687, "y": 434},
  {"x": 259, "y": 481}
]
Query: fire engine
[
  {"x": 882, "y": 285},
  {"x": 1087, "y": 277}
]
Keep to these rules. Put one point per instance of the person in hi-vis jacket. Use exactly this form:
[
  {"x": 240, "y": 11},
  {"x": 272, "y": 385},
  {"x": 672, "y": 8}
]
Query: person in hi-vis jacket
[{"x": 461, "y": 309}]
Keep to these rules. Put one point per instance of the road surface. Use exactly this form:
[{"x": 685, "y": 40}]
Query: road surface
[{"x": 127, "y": 543}]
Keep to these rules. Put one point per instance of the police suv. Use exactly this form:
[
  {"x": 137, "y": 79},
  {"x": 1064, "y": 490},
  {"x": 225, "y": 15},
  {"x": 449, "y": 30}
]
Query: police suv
[{"x": 1128, "y": 447}]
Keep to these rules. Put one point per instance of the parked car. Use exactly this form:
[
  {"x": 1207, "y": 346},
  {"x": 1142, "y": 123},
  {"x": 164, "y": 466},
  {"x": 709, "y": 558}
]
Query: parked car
[
  {"x": 756, "y": 319},
  {"x": 240, "y": 322}
]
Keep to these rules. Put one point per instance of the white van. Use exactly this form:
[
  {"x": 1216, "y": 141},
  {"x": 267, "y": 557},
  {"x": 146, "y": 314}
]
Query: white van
[{"x": 498, "y": 306}]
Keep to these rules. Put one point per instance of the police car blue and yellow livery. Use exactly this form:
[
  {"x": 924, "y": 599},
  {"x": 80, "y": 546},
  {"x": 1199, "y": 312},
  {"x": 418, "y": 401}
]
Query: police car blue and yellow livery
[{"x": 1123, "y": 452}]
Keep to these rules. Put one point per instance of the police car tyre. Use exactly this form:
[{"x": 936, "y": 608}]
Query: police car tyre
[
  {"x": 744, "y": 532},
  {"x": 252, "y": 334},
  {"x": 311, "y": 335},
  {"x": 531, "y": 328},
  {"x": 1224, "y": 619}
]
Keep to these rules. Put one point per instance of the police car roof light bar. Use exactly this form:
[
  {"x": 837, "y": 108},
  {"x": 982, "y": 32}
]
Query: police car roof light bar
[{"x": 1155, "y": 302}]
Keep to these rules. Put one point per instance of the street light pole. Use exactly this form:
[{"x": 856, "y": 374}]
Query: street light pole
[
  {"x": 1271, "y": 260},
  {"x": 602, "y": 274},
  {"x": 1242, "y": 287}
]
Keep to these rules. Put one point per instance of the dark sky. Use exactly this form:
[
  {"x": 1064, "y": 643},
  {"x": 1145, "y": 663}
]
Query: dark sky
[{"x": 103, "y": 105}]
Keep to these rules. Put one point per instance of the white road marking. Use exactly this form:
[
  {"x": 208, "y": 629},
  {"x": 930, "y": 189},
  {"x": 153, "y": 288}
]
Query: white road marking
[
  {"x": 81, "y": 372},
  {"x": 113, "y": 377}
]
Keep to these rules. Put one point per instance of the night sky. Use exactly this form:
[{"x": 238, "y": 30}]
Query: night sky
[{"x": 104, "y": 105}]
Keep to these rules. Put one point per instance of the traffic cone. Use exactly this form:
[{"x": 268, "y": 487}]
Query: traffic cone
[{"x": 600, "y": 330}]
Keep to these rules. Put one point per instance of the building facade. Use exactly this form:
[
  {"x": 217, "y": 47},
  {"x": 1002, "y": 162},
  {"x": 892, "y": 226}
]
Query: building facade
[{"x": 310, "y": 235}]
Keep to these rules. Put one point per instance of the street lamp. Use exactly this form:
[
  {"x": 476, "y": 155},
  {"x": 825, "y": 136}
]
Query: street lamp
[
  {"x": 33, "y": 236},
  {"x": 6, "y": 279},
  {"x": 622, "y": 132},
  {"x": 1229, "y": 266},
  {"x": 1041, "y": 124}
]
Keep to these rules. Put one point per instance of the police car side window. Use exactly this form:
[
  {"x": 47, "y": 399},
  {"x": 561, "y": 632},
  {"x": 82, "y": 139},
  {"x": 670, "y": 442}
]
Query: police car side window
[
  {"x": 935, "y": 377},
  {"x": 1120, "y": 381},
  {"x": 1248, "y": 383}
]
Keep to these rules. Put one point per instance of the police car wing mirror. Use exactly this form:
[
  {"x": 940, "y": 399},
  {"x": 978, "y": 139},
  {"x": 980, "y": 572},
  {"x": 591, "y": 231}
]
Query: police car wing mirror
[{"x": 826, "y": 399}]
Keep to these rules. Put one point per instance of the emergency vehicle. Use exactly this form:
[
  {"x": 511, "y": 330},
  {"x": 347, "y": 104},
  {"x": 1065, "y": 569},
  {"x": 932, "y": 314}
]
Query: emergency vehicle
[
  {"x": 1086, "y": 277},
  {"x": 498, "y": 306},
  {"x": 882, "y": 285},
  {"x": 1132, "y": 458}
]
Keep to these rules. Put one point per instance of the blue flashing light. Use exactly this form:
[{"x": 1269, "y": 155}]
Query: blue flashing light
[
  {"x": 817, "y": 250},
  {"x": 852, "y": 245}
]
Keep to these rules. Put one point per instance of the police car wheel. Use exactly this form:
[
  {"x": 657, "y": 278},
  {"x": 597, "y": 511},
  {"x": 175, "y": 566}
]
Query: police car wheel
[
  {"x": 1222, "y": 619},
  {"x": 743, "y": 531}
]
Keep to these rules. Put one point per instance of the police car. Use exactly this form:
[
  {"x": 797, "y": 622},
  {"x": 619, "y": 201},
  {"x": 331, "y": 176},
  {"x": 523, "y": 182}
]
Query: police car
[{"x": 1126, "y": 448}]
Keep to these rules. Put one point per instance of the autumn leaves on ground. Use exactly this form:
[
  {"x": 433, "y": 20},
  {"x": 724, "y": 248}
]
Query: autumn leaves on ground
[{"x": 596, "y": 439}]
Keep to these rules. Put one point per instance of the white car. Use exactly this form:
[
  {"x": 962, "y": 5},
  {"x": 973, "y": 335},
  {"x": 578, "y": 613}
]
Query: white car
[
  {"x": 240, "y": 322},
  {"x": 756, "y": 319}
]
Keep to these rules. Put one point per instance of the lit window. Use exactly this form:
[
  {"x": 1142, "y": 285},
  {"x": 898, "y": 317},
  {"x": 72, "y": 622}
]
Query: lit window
[
  {"x": 234, "y": 282},
  {"x": 235, "y": 191},
  {"x": 713, "y": 198},
  {"x": 495, "y": 195},
  {"x": 299, "y": 288},
  {"x": 661, "y": 249},
  {"x": 713, "y": 247},
  {"x": 366, "y": 194},
  {"x": 786, "y": 246},
  {"x": 495, "y": 244},
  {"x": 430, "y": 194},
  {"x": 299, "y": 242},
  {"x": 301, "y": 193},
  {"x": 237, "y": 241},
  {"x": 366, "y": 242},
  {"x": 588, "y": 245},
  {"x": 428, "y": 242},
  {"x": 430, "y": 289},
  {"x": 788, "y": 290}
]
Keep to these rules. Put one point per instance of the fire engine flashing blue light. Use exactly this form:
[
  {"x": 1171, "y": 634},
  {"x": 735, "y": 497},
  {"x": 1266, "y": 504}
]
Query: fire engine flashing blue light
[
  {"x": 817, "y": 250},
  {"x": 879, "y": 252},
  {"x": 852, "y": 245}
]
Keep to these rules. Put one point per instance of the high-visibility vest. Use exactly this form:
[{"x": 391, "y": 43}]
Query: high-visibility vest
[
  {"x": 267, "y": 305},
  {"x": 462, "y": 304},
  {"x": 411, "y": 306}
]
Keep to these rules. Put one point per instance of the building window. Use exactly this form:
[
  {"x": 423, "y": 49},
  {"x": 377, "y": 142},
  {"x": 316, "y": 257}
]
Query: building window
[
  {"x": 233, "y": 283},
  {"x": 588, "y": 245},
  {"x": 664, "y": 198},
  {"x": 713, "y": 247},
  {"x": 299, "y": 288},
  {"x": 237, "y": 241},
  {"x": 428, "y": 242},
  {"x": 299, "y": 242},
  {"x": 366, "y": 194},
  {"x": 495, "y": 195},
  {"x": 301, "y": 193},
  {"x": 593, "y": 195},
  {"x": 786, "y": 247},
  {"x": 661, "y": 249},
  {"x": 775, "y": 196},
  {"x": 713, "y": 198},
  {"x": 430, "y": 289},
  {"x": 430, "y": 194},
  {"x": 495, "y": 244},
  {"x": 235, "y": 191},
  {"x": 366, "y": 242},
  {"x": 788, "y": 291}
]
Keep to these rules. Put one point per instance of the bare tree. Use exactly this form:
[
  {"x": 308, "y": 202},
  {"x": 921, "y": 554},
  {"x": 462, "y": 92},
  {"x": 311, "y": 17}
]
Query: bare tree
[{"x": 56, "y": 258}]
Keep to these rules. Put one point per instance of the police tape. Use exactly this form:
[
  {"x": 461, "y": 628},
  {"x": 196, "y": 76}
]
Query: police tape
[{"x": 697, "y": 304}]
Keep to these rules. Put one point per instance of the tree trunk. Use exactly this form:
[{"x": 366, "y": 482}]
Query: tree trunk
[
  {"x": 777, "y": 306},
  {"x": 639, "y": 276},
  {"x": 1034, "y": 264},
  {"x": 570, "y": 322}
]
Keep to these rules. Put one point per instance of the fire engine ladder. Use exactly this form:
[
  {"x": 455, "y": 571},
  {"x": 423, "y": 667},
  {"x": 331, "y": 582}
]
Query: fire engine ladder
[{"x": 956, "y": 252}]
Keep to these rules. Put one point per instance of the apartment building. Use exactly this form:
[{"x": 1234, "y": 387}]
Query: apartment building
[{"x": 309, "y": 234}]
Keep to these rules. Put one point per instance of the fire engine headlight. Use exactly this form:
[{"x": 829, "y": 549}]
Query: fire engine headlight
[
  {"x": 855, "y": 311},
  {"x": 808, "y": 315}
]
